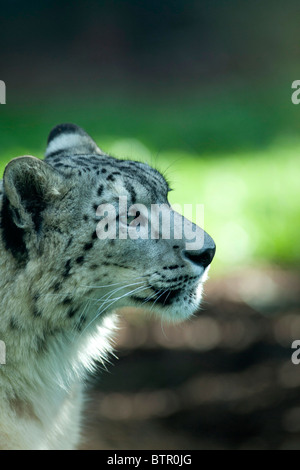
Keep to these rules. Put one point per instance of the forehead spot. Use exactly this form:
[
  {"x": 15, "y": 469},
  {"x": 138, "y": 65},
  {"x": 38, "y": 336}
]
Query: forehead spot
[
  {"x": 100, "y": 190},
  {"x": 88, "y": 246}
]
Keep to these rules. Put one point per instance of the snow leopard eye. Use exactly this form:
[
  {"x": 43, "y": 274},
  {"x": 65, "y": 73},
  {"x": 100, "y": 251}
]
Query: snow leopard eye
[
  {"x": 127, "y": 219},
  {"x": 131, "y": 218}
]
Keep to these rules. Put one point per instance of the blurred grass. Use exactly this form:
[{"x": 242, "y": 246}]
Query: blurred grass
[{"x": 235, "y": 154}]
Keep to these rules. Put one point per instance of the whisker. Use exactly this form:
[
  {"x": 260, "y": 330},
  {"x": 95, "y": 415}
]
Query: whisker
[
  {"x": 162, "y": 328},
  {"x": 102, "y": 310},
  {"x": 81, "y": 315},
  {"x": 116, "y": 290},
  {"x": 167, "y": 297},
  {"x": 149, "y": 298},
  {"x": 166, "y": 290},
  {"x": 140, "y": 288},
  {"x": 110, "y": 285}
]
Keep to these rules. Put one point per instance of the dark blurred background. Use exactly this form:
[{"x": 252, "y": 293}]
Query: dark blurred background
[{"x": 202, "y": 90}]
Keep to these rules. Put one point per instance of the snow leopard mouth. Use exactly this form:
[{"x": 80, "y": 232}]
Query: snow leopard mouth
[
  {"x": 158, "y": 297},
  {"x": 167, "y": 296}
]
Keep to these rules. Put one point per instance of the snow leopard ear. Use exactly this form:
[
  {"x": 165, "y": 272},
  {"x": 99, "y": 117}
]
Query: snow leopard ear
[
  {"x": 30, "y": 185},
  {"x": 66, "y": 140}
]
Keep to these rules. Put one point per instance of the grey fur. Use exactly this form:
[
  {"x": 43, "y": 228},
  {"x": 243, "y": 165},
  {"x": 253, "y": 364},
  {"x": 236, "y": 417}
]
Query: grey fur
[{"x": 60, "y": 284}]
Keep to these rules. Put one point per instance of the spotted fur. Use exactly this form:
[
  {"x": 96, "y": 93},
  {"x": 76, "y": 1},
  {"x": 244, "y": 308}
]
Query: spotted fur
[{"x": 60, "y": 284}]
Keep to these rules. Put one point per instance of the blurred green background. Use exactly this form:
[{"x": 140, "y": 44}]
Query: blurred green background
[
  {"x": 236, "y": 152},
  {"x": 201, "y": 90}
]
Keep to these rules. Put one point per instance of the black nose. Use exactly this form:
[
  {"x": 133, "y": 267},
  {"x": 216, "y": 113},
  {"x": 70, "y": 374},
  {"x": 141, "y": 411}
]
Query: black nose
[{"x": 205, "y": 255}]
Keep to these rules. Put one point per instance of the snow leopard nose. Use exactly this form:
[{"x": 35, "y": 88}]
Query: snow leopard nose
[{"x": 204, "y": 256}]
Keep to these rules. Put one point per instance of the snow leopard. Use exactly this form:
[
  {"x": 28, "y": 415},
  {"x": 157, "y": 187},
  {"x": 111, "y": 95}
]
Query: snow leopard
[{"x": 63, "y": 278}]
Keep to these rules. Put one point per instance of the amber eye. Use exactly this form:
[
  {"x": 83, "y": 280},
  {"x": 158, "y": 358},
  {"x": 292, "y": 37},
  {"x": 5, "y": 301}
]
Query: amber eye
[
  {"x": 131, "y": 218},
  {"x": 127, "y": 219}
]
